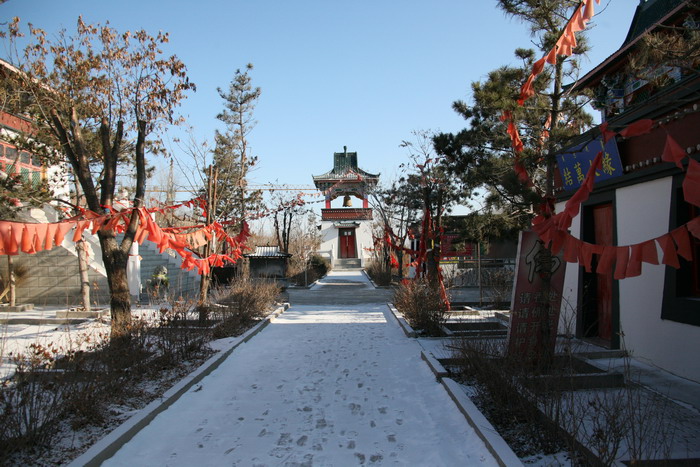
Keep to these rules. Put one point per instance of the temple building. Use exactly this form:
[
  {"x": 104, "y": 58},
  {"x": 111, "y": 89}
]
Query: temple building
[
  {"x": 643, "y": 198},
  {"x": 346, "y": 231}
]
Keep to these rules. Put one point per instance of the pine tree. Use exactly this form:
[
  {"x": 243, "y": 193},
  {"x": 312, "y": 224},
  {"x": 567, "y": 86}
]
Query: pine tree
[
  {"x": 481, "y": 156},
  {"x": 232, "y": 155}
]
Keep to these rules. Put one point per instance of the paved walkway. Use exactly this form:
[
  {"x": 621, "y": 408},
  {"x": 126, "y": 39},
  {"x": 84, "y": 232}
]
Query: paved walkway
[{"x": 332, "y": 381}]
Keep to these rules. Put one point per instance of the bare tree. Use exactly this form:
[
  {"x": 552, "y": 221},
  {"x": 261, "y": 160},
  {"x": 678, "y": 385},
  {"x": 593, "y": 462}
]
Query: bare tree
[{"x": 117, "y": 86}]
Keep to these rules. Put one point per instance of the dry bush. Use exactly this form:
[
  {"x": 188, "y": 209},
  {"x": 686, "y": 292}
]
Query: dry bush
[
  {"x": 317, "y": 268},
  {"x": 177, "y": 336},
  {"x": 420, "y": 303},
  {"x": 77, "y": 384},
  {"x": 598, "y": 426},
  {"x": 500, "y": 285},
  {"x": 378, "y": 272},
  {"x": 240, "y": 303}
]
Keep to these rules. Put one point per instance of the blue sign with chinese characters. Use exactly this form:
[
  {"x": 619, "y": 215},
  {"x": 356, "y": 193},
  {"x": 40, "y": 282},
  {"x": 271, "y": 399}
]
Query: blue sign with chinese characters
[{"x": 575, "y": 162}]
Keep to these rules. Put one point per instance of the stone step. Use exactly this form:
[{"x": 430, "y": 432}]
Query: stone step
[{"x": 347, "y": 263}]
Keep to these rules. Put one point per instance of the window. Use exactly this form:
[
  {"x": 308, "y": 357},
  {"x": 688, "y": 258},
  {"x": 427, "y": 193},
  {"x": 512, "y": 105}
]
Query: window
[
  {"x": 681, "y": 301},
  {"x": 11, "y": 154}
]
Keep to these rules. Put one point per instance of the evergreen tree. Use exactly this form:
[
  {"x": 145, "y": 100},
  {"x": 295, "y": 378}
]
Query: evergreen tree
[
  {"x": 232, "y": 155},
  {"x": 481, "y": 156},
  {"x": 229, "y": 201}
]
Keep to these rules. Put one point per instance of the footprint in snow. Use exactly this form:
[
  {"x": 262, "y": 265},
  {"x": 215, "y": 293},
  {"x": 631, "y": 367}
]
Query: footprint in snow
[{"x": 284, "y": 439}]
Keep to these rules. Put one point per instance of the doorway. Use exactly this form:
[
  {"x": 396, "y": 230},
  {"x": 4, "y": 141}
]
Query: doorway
[
  {"x": 347, "y": 243},
  {"x": 597, "y": 313}
]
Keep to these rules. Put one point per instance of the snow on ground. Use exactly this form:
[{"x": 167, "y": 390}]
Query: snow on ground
[
  {"x": 17, "y": 338},
  {"x": 322, "y": 385}
]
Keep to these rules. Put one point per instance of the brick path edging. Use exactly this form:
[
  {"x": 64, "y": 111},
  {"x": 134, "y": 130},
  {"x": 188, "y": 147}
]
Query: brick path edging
[{"x": 110, "y": 444}]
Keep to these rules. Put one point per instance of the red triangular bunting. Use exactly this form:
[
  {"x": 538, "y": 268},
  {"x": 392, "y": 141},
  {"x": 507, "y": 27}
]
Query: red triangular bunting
[
  {"x": 670, "y": 257},
  {"x": 606, "y": 260},
  {"x": 682, "y": 239},
  {"x": 673, "y": 152},
  {"x": 638, "y": 128},
  {"x": 691, "y": 183},
  {"x": 622, "y": 257}
]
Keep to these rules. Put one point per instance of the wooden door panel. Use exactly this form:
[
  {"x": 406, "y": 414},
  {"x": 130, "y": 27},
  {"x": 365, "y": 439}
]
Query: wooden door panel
[{"x": 603, "y": 223}]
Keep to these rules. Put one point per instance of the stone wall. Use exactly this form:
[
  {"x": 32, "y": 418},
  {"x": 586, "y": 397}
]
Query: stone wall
[{"x": 53, "y": 279}]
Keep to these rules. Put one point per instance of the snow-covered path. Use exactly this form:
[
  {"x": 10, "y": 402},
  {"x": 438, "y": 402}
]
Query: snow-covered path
[{"x": 322, "y": 385}]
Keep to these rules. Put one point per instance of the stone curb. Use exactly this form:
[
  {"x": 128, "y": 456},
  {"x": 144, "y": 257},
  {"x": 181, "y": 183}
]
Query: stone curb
[
  {"x": 405, "y": 327},
  {"x": 494, "y": 442},
  {"x": 110, "y": 444},
  {"x": 43, "y": 321},
  {"x": 435, "y": 366}
]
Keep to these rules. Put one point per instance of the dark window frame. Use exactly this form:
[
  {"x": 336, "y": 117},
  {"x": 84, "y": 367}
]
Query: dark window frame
[{"x": 678, "y": 303}]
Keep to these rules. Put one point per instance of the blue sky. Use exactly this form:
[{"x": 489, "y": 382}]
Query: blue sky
[{"x": 361, "y": 73}]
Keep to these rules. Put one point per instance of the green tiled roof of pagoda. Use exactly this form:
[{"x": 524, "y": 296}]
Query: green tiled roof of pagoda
[{"x": 345, "y": 166}]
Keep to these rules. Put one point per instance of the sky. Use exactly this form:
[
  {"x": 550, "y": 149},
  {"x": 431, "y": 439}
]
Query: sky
[{"x": 362, "y": 74}]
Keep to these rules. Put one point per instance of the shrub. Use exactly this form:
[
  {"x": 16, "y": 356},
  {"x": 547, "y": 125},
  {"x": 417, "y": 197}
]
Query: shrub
[
  {"x": 500, "y": 283},
  {"x": 32, "y": 401},
  {"x": 378, "y": 272},
  {"x": 241, "y": 302},
  {"x": 318, "y": 267},
  {"x": 421, "y": 304},
  {"x": 177, "y": 338}
]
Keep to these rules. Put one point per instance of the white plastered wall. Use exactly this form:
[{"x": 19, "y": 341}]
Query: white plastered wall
[
  {"x": 329, "y": 240},
  {"x": 643, "y": 214},
  {"x": 567, "y": 317}
]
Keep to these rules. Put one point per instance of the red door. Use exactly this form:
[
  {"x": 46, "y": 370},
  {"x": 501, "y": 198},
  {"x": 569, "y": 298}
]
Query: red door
[
  {"x": 603, "y": 228},
  {"x": 347, "y": 243}
]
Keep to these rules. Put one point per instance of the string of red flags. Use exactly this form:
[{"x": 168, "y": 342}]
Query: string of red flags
[
  {"x": 30, "y": 238},
  {"x": 553, "y": 228},
  {"x": 627, "y": 260},
  {"x": 564, "y": 46}
]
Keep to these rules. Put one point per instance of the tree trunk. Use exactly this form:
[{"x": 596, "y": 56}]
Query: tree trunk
[
  {"x": 115, "y": 261},
  {"x": 11, "y": 276},
  {"x": 81, "y": 249}
]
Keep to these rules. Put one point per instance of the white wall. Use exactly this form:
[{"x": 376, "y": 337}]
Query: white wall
[
  {"x": 643, "y": 214},
  {"x": 329, "y": 241},
  {"x": 567, "y": 316}
]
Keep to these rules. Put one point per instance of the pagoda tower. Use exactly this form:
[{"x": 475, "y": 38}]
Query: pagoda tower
[{"x": 346, "y": 231}]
